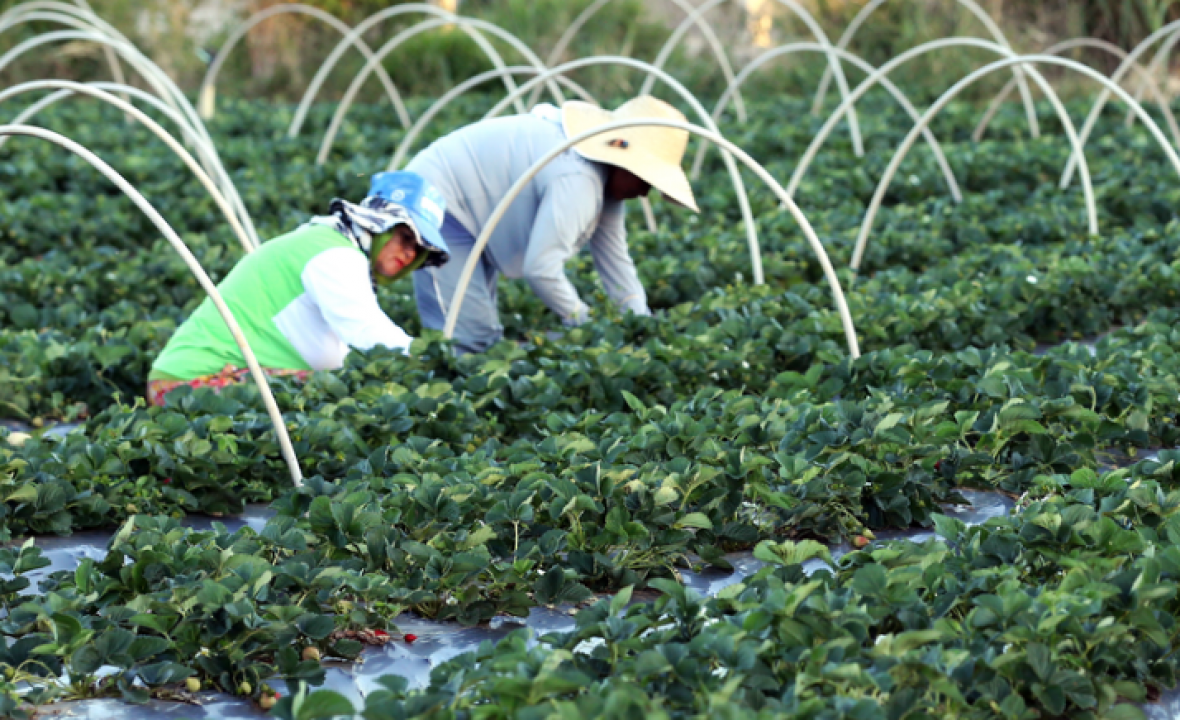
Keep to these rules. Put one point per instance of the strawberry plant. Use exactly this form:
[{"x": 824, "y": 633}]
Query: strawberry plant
[{"x": 611, "y": 458}]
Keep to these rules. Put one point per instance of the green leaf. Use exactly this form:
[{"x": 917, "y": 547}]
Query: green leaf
[
  {"x": 789, "y": 553},
  {"x": 1040, "y": 660},
  {"x": 633, "y": 402},
  {"x": 888, "y": 422},
  {"x": 316, "y": 627},
  {"x": 323, "y": 705},
  {"x": 695, "y": 520},
  {"x": 870, "y": 581}
]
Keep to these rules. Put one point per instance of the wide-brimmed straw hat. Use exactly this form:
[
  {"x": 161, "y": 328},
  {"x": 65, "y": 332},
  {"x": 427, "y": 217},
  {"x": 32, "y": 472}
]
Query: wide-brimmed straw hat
[{"x": 651, "y": 153}]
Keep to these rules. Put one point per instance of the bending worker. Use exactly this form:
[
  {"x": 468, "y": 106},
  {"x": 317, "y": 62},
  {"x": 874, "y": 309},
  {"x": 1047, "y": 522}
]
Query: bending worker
[
  {"x": 303, "y": 299},
  {"x": 574, "y": 202}
]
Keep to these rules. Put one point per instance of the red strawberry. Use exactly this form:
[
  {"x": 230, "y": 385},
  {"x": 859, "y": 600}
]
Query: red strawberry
[
  {"x": 380, "y": 633},
  {"x": 411, "y": 638}
]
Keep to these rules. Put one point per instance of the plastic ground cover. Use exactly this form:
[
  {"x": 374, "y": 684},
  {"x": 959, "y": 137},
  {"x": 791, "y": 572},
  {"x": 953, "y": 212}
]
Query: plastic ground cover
[{"x": 437, "y": 641}]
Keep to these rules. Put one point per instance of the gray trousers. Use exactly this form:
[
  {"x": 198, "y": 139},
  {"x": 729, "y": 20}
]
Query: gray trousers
[{"x": 479, "y": 325}]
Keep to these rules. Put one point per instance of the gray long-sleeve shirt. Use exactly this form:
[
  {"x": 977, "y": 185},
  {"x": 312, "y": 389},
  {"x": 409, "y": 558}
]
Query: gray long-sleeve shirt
[{"x": 562, "y": 209}]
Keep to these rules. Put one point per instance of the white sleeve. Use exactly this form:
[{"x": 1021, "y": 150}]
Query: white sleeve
[
  {"x": 568, "y": 209},
  {"x": 338, "y": 282},
  {"x": 608, "y": 246}
]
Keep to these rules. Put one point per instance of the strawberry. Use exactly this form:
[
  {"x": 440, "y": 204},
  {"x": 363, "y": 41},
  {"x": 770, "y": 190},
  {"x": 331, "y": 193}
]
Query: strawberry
[{"x": 410, "y": 637}]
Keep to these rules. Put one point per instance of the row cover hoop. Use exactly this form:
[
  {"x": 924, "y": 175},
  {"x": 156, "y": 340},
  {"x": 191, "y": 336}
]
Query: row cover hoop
[
  {"x": 194, "y": 265},
  {"x": 66, "y": 88},
  {"x": 80, "y": 11},
  {"x": 1171, "y": 31},
  {"x": 375, "y": 61},
  {"x": 403, "y": 148},
  {"x": 1108, "y": 83},
  {"x": 729, "y": 150},
  {"x": 980, "y": 14},
  {"x": 698, "y": 108},
  {"x": 470, "y": 26},
  {"x": 1108, "y": 47},
  {"x": 817, "y": 142},
  {"x": 812, "y": 26},
  {"x": 407, "y": 142},
  {"x": 1158, "y": 63},
  {"x": 791, "y": 48},
  {"x": 571, "y": 31},
  {"x": 161, "y": 84},
  {"x": 207, "y": 95},
  {"x": 112, "y": 41}
]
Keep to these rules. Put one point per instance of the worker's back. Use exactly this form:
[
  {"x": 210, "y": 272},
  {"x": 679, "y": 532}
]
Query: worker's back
[{"x": 476, "y": 166}]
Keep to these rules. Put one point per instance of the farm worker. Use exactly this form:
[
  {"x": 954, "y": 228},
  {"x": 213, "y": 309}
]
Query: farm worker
[
  {"x": 575, "y": 201},
  {"x": 303, "y": 299}
]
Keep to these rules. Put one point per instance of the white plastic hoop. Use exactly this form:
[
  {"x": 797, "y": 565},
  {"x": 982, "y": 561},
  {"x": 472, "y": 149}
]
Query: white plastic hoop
[
  {"x": 729, "y": 149},
  {"x": 571, "y": 31},
  {"x": 702, "y": 113},
  {"x": 272, "y": 408},
  {"x": 358, "y": 80},
  {"x": 812, "y": 26},
  {"x": 980, "y": 14},
  {"x": 161, "y": 83},
  {"x": 891, "y": 170},
  {"x": 1124, "y": 67},
  {"x": 881, "y": 72},
  {"x": 207, "y": 94},
  {"x": 1145, "y": 77},
  {"x": 860, "y": 63},
  {"x": 82, "y": 12},
  {"x": 469, "y": 26},
  {"x": 66, "y": 88},
  {"x": 407, "y": 142}
]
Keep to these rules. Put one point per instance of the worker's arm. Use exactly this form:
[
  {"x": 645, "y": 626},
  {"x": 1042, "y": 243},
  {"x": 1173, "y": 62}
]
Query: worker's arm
[
  {"x": 338, "y": 281},
  {"x": 568, "y": 208},
  {"x": 613, "y": 260}
]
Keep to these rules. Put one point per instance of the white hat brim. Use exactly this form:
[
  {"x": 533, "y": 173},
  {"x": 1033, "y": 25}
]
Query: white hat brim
[{"x": 579, "y": 117}]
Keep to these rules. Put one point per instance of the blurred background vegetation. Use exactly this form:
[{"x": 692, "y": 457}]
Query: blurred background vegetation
[{"x": 278, "y": 58}]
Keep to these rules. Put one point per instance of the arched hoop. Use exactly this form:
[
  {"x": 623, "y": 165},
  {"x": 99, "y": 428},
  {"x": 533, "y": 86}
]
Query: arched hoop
[
  {"x": 403, "y": 148},
  {"x": 375, "y": 61},
  {"x": 972, "y": 7},
  {"x": 816, "y": 31},
  {"x": 860, "y": 63},
  {"x": 209, "y": 158},
  {"x": 1158, "y": 63},
  {"x": 1144, "y": 76},
  {"x": 272, "y": 408},
  {"x": 207, "y": 95},
  {"x": 891, "y": 170},
  {"x": 160, "y": 83},
  {"x": 706, "y": 120},
  {"x": 470, "y": 26},
  {"x": 728, "y": 148},
  {"x": 407, "y": 142},
  {"x": 881, "y": 72},
  {"x": 1124, "y": 67},
  {"x": 66, "y": 88},
  {"x": 706, "y": 30},
  {"x": 83, "y": 12}
]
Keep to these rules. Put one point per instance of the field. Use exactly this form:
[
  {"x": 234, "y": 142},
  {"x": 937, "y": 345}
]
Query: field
[{"x": 1005, "y": 350}]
